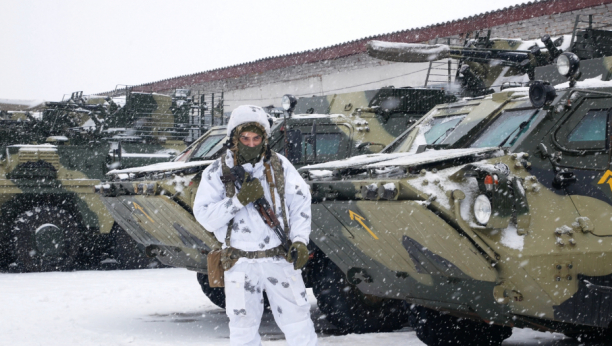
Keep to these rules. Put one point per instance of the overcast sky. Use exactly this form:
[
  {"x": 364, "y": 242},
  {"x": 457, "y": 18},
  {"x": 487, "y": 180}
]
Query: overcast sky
[{"x": 51, "y": 48}]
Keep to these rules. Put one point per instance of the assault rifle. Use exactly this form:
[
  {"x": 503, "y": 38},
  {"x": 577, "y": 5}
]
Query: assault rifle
[{"x": 262, "y": 206}]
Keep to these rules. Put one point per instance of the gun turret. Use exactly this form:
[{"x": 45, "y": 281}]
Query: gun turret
[{"x": 483, "y": 63}]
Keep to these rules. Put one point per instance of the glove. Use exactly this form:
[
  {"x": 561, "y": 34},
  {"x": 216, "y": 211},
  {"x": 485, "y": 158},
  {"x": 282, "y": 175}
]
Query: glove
[
  {"x": 250, "y": 191},
  {"x": 301, "y": 255}
]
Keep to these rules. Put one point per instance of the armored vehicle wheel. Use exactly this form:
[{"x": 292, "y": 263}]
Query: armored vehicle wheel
[
  {"x": 217, "y": 294},
  {"x": 591, "y": 335},
  {"x": 45, "y": 238},
  {"x": 126, "y": 252},
  {"x": 6, "y": 255},
  {"x": 437, "y": 329},
  {"x": 351, "y": 311}
]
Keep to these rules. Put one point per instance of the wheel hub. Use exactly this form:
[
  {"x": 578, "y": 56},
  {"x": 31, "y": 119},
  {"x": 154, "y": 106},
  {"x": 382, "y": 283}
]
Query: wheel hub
[{"x": 50, "y": 241}]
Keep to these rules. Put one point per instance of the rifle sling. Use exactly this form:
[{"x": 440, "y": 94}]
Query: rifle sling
[{"x": 278, "y": 184}]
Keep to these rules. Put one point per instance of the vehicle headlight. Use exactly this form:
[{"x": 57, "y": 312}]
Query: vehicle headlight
[
  {"x": 482, "y": 209},
  {"x": 568, "y": 64},
  {"x": 288, "y": 102},
  {"x": 541, "y": 93},
  {"x": 563, "y": 65}
]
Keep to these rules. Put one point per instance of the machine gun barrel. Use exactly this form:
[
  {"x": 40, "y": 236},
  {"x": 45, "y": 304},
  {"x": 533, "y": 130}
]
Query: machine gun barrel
[
  {"x": 476, "y": 54},
  {"x": 263, "y": 207},
  {"x": 416, "y": 52}
]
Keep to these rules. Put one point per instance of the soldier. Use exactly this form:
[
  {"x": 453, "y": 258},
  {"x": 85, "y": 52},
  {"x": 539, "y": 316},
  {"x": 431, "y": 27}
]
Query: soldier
[{"x": 258, "y": 260}]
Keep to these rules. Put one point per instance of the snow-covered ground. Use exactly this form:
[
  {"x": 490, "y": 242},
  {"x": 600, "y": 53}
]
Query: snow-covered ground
[{"x": 153, "y": 307}]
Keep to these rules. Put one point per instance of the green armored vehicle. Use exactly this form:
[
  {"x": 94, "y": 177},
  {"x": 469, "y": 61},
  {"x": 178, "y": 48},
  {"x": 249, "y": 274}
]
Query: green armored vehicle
[
  {"x": 52, "y": 158},
  {"x": 153, "y": 203},
  {"x": 484, "y": 226},
  {"x": 178, "y": 240}
]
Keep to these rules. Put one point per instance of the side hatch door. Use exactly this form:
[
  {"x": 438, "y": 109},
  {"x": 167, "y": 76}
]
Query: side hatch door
[{"x": 582, "y": 155}]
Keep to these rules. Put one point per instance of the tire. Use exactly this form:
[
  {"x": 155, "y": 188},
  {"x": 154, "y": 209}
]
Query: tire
[
  {"x": 591, "y": 335},
  {"x": 6, "y": 253},
  {"x": 217, "y": 294},
  {"x": 436, "y": 329},
  {"x": 347, "y": 308},
  {"x": 127, "y": 253},
  {"x": 45, "y": 238}
]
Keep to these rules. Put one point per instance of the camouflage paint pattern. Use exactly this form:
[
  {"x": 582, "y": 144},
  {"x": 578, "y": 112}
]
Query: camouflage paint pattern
[
  {"x": 352, "y": 124},
  {"x": 543, "y": 260},
  {"x": 73, "y": 137}
]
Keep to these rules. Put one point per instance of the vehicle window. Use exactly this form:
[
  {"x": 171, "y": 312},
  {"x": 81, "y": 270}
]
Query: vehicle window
[
  {"x": 506, "y": 129},
  {"x": 440, "y": 128},
  {"x": 206, "y": 145},
  {"x": 591, "y": 128},
  {"x": 429, "y": 131},
  {"x": 327, "y": 145}
]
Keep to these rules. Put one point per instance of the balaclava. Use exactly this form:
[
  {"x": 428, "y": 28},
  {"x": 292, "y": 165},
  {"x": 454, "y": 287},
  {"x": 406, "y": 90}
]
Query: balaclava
[{"x": 245, "y": 154}]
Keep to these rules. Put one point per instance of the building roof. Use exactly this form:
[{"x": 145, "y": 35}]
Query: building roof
[{"x": 468, "y": 24}]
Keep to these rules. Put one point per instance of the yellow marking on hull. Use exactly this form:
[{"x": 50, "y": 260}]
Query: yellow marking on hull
[
  {"x": 359, "y": 218},
  {"x": 136, "y": 206},
  {"x": 605, "y": 177}
]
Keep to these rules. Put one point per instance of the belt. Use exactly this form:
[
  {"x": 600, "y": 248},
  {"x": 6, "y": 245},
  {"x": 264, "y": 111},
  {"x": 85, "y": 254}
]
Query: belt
[{"x": 273, "y": 252}]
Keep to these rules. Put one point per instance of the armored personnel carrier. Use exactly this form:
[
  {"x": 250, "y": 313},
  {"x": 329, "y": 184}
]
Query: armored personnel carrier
[
  {"x": 178, "y": 240},
  {"x": 484, "y": 226},
  {"x": 153, "y": 203},
  {"x": 50, "y": 160}
]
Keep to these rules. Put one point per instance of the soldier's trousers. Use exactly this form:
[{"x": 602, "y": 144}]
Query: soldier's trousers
[{"x": 244, "y": 286}]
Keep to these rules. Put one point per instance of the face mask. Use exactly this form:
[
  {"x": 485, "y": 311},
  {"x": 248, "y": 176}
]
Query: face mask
[{"x": 248, "y": 154}]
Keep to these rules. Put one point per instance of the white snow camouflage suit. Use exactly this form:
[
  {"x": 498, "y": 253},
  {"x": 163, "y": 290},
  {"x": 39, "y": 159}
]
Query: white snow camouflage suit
[{"x": 246, "y": 281}]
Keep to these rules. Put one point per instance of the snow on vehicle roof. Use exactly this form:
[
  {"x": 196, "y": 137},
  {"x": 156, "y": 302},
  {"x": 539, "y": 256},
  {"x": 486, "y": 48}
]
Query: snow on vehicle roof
[
  {"x": 119, "y": 100},
  {"x": 594, "y": 82},
  {"x": 416, "y": 48},
  {"x": 49, "y": 147},
  {"x": 25, "y": 103},
  {"x": 57, "y": 138},
  {"x": 164, "y": 166},
  {"x": 317, "y": 116},
  {"x": 430, "y": 156},
  {"x": 353, "y": 161},
  {"x": 323, "y": 173},
  {"x": 167, "y": 156}
]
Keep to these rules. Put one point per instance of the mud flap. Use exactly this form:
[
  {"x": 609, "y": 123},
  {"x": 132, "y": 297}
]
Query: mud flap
[{"x": 164, "y": 228}]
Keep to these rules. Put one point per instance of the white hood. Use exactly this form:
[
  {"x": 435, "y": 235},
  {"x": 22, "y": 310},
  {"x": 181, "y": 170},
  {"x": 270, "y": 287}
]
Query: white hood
[{"x": 248, "y": 114}]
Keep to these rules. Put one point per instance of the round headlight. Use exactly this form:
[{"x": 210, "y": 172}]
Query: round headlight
[
  {"x": 563, "y": 65},
  {"x": 288, "y": 102},
  {"x": 568, "y": 64},
  {"x": 482, "y": 209},
  {"x": 285, "y": 102}
]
